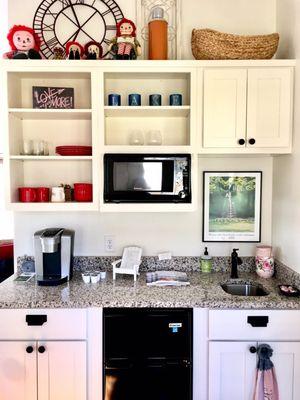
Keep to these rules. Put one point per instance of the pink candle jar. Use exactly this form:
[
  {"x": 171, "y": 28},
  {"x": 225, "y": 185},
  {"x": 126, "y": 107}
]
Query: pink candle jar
[{"x": 264, "y": 262}]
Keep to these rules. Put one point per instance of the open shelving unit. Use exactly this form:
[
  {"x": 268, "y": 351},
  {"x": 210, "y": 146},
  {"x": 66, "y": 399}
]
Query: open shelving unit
[
  {"x": 173, "y": 122},
  {"x": 92, "y": 122},
  {"x": 57, "y": 127}
]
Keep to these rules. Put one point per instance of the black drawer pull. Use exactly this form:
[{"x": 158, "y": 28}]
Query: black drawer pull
[
  {"x": 36, "y": 320},
  {"x": 258, "y": 321}
]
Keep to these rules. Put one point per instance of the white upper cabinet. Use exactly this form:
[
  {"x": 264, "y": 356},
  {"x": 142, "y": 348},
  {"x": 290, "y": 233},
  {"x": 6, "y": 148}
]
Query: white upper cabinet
[
  {"x": 248, "y": 110},
  {"x": 269, "y": 107},
  {"x": 225, "y": 104}
]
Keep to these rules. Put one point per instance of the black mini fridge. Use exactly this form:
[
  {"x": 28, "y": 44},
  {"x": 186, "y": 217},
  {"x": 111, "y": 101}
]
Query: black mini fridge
[{"x": 148, "y": 354}]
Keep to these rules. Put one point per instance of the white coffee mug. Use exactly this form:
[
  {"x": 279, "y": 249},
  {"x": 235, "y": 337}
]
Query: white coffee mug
[{"x": 58, "y": 195}]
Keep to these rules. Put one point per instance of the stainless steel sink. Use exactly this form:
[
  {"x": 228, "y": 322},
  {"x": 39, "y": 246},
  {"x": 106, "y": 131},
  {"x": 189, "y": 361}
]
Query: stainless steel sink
[{"x": 244, "y": 289}]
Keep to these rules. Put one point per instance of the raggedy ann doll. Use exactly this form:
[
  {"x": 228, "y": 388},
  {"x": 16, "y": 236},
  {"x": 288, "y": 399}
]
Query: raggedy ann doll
[
  {"x": 74, "y": 51},
  {"x": 24, "y": 43},
  {"x": 93, "y": 51},
  {"x": 125, "y": 46}
]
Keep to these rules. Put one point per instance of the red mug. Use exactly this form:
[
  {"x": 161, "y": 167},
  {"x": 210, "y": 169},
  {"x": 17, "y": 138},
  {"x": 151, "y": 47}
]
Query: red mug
[
  {"x": 43, "y": 194},
  {"x": 27, "y": 195},
  {"x": 83, "y": 192}
]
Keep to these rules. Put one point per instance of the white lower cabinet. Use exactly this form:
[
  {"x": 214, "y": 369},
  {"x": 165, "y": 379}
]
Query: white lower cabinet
[
  {"x": 232, "y": 369},
  {"x": 18, "y": 371},
  {"x": 43, "y": 370},
  {"x": 62, "y": 371}
]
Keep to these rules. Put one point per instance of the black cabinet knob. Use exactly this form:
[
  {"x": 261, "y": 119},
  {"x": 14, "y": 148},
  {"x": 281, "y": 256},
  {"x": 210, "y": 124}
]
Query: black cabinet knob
[
  {"x": 29, "y": 349},
  {"x": 41, "y": 349},
  {"x": 241, "y": 142},
  {"x": 252, "y": 350},
  {"x": 251, "y": 141}
]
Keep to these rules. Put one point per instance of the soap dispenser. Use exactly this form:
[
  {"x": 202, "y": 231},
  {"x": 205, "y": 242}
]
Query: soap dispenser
[{"x": 206, "y": 262}]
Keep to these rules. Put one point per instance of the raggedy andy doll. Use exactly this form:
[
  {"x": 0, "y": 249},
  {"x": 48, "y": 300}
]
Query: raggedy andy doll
[
  {"x": 125, "y": 46},
  {"x": 24, "y": 43}
]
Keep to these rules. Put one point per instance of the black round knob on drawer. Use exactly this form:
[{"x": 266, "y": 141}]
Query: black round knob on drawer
[
  {"x": 241, "y": 142},
  {"x": 29, "y": 349},
  {"x": 41, "y": 349},
  {"x": 251, "y": 141},
  {"x": 252, "y": 350}
]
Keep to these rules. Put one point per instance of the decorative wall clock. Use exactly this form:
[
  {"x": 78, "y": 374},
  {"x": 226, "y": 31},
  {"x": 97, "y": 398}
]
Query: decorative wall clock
[{"x": 60, "y": 21}]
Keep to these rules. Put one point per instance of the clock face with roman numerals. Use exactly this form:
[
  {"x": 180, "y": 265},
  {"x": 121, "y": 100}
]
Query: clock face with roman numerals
[{"x": 58, "y": 22}]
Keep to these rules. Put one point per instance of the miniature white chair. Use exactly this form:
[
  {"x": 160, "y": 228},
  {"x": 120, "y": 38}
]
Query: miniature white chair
[{"x": 130, "y": 262}]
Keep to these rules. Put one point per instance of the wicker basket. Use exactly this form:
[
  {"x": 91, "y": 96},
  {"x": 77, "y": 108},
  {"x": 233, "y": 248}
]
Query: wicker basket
[{"x": 208, "y": 44}]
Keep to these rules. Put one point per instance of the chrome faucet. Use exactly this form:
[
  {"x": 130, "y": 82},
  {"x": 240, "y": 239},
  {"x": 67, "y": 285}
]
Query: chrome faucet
[{"x": 235, "y": 261}]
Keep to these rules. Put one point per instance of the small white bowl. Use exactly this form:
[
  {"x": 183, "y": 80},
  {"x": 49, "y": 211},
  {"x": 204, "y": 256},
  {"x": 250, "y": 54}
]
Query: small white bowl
[
  {"x": 102, "y": 275},
  {"x": 86, "y": 278},
  {"x": 95, "y": 278}
]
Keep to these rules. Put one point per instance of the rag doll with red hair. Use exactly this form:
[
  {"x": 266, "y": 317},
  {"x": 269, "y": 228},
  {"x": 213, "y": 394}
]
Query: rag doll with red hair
[
  {"x": 24, "y": 43},
  {"x": 125, "y": 46}
]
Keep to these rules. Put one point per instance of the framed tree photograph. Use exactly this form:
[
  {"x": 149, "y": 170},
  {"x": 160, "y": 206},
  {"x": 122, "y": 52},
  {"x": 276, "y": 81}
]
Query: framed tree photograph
[{"x": 232, "y": 206}]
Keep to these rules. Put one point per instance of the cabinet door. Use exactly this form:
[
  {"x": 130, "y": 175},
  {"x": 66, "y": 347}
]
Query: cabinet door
[
  {"x": 269, "y": 116},
  {"x": 17, "y": 371},
  {"x": 286, "y": 359},
  {"x": 225, "y": 95},
  {"x": 62, "y": 371},
  {"x": 231, "y": 371}
]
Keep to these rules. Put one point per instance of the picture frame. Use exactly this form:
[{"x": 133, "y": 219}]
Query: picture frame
[{"x": 232, "y": 206}]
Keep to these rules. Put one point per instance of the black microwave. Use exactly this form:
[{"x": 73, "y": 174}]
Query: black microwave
[{"x": 147, "y": 178}]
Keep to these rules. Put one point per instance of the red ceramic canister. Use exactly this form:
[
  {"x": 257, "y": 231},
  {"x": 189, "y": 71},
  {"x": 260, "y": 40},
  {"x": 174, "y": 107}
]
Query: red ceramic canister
[
  {"x": 83, "y": 192},
  {"x": 43, "y": 194},
  {"x": 27, "y": 194}
]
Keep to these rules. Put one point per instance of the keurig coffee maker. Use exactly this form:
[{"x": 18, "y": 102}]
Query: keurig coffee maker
[{"x": 53, "y": 256}]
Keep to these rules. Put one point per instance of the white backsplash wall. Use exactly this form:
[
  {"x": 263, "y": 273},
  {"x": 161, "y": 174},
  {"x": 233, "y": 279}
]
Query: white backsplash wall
[
  {"x": 235, "y": 16},
  {"x": 180, "y": 233},
  {"x": 286, "y": 212}
]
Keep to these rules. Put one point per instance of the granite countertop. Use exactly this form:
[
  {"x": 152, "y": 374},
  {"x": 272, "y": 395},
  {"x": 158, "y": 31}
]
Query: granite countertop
[{"x": 204, "y": 292}]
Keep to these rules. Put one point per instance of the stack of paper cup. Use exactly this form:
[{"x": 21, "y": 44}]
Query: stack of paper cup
[{"x": 264, "y": 261}]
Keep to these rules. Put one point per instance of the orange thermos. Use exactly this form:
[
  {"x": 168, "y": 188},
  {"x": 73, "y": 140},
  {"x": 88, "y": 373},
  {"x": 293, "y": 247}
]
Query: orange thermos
[{"x": 158, "y": 35}]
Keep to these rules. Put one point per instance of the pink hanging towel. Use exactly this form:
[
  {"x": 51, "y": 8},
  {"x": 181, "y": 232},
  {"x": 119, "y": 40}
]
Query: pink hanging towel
[{"x": 266, "y": 387}]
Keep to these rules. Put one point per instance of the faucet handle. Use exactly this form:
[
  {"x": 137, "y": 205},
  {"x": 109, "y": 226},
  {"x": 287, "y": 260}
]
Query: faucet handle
[
  {"x": 235, "y": 250},
  {"x": 239, "y": 261}
]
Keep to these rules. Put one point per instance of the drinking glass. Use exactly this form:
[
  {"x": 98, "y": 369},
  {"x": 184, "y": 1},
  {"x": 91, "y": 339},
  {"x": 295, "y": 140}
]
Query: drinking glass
[
  {"x": 154, "y": 138},
  {"x": 27, "y": 147},
  {"x": 136, "y": 138}
]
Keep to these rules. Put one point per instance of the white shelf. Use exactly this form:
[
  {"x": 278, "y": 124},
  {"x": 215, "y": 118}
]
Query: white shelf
[
  {"x": 155, "y": 207},
  {"x": 50, "y": 114},
  {"x": 51, "y": 158},
  {"x": 147, "y": 149},
  {"x": 147, "y": 111},
  {"x": 41, "y": 207}
]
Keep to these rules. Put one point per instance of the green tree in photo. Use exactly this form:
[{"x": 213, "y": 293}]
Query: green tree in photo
[{"x": 232, "y": 204}]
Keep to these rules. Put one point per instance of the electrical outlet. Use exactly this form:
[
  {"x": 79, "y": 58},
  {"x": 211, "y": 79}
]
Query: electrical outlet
[{"x": 109, "y": 243}]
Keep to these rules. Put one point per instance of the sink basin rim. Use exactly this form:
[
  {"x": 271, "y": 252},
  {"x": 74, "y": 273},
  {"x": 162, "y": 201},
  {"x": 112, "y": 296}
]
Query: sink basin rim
[{"x": 244, "y": 289}]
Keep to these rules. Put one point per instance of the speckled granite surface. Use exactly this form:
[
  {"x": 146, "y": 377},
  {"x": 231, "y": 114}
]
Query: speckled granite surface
[
  {"x": 187, "y": 264},
  {"x": 204, "y": 291}
]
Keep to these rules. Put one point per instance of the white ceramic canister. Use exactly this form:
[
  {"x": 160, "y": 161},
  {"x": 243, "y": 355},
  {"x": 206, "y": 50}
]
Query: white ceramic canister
[{"x": 58, "y": 194}]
